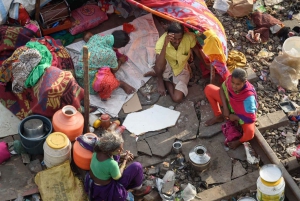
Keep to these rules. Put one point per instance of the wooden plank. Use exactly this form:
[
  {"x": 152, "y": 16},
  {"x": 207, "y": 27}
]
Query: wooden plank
[{"x": 86, "y": 89}]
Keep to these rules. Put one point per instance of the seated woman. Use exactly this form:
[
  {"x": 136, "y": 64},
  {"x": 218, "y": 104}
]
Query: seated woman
[
  {"x": 103, "y": 63},
  {"x": 106, "y": 181},
  {"x": 239, "y": 100}
]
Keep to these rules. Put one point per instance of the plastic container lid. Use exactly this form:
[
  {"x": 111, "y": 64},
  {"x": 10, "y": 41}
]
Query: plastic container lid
[
  {"x": 97, "y": 123},
  {"x": 270, "y": 173},
  {"x": 104, "y": 117},
  {"x": 57, "y": 140}
]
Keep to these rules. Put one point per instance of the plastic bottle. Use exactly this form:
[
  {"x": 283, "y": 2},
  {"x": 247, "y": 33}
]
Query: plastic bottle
[
  {"x": 105, "y": 121},
  {"x": 120, "y": 129},
  {"x": 114, "y": 125},
  {"x": 94, "y": 121}
]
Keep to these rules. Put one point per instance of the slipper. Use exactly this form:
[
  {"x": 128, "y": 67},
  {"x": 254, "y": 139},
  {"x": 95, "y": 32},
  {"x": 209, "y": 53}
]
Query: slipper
[{"x": 147, "y": 190}]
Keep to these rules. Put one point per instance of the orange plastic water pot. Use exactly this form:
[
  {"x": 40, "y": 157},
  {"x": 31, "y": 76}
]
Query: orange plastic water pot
[
  {"x": 68, "y": 121},
  {"x": 82, "y": 157}
]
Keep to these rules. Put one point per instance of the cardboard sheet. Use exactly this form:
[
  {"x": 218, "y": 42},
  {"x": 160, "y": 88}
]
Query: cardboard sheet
[
  {"x": 152, "y": 119},
  {"x": 132, "y": 105}
]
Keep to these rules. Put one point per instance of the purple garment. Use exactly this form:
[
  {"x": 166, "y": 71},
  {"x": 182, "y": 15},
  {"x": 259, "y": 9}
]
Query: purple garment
[{"x": 116, "y": 190}]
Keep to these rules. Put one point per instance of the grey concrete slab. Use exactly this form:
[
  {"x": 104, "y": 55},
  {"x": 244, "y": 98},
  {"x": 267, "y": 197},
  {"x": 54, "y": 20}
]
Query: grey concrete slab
[
  {"x": 196, "y": 93},
  {"x": 144, "y": 101},
  {"x": 220, "y": 167},
  {"x": 252, "y": 77},
  {"x": 147, "y": 161},
  {"x": 150, "y": 134},
  {"x": 187, "y": 124},
  {"x": 232, "y": 188},
  {"x": 161, "y": 145},
  {"x": 16, "y": 179},
  {"x": 237, "y": 170},
  {"x": 130, "y": 143},
  {"x": 272, "y": 121},
  {"x": 238, "y": 153},
  {"x": 207, "y": 131},
  {"x": 154, "y": 96},
  {"x": 166, "y": 101},
  {"x": 143, "y": 147}
]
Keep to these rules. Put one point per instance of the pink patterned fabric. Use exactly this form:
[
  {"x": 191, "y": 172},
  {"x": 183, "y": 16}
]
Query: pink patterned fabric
[
  {"x": 230, "y": 131},
  {"x": 4, "y": 153}
]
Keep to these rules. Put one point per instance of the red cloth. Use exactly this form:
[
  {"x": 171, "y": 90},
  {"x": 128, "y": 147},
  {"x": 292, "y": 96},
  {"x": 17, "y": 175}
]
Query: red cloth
[
  {"x": 105, "y": 82},
  {"x": 4, "y": 153}
]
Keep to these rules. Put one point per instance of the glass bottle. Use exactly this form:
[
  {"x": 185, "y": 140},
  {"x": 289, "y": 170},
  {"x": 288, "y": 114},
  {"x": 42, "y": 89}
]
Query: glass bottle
[
  {"x": 105, "y": 121},
  {"x": 114, "y": 125},
  {"x": 120, "y": 129}
]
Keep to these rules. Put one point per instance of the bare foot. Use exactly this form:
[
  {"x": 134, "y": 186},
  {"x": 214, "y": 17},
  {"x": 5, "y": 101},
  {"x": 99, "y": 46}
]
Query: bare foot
[
  {"x": 214, "y": 120},
  {"x": 127, "y": 88},
  {"x": 161, "y": 87},
  {"x": 150, "y": 73},
  {"x": 234, "y": 144}
]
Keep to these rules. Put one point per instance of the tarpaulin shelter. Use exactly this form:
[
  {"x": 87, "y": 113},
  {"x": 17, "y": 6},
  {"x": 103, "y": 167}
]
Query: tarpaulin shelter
[{"x": 195, "y": 15}]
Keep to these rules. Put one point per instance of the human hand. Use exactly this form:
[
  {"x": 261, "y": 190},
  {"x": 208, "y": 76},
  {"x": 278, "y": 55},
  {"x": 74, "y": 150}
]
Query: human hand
[
  {"x": 233, "y": 117},
  {"x": 226, "y": 113},
  {"x": 128, "y": 156},
  {"x": 169, "y": 38},
  {"x": 123, "y": 59}
]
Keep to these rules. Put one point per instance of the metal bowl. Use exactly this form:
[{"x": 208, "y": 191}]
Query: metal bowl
[{"x": 34, "y": 128}]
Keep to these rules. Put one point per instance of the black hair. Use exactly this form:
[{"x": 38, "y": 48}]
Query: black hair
[
  {"x": 121, "y": 38},
  {"x": 175, "y": 27},
  {"x": 240, "y": 74}
]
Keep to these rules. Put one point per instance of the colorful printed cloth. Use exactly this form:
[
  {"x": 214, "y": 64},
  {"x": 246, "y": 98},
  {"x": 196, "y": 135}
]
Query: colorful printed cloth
[
  {"x": 244, "y": 104},
  {"x": 101, "y": 54},
  {"x": 60, "y": 56},
  {"x": 38, "y": 70},
  {"x": 105, "y": 83},
  {"x": 193, "y": 14},
  {"x": 55, "y": 89},
  {"x": 11, "y": 38}
]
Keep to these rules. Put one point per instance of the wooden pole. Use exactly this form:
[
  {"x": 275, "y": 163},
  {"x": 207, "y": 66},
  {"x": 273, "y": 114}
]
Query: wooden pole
[
  {"x": 86, "y": 98},
  {"x": 37, "y": 10}
]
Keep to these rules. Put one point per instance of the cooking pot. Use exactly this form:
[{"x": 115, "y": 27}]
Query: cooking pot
[
  {"x": 199, "y": 158},
  {"x": 34, "y": 128}
]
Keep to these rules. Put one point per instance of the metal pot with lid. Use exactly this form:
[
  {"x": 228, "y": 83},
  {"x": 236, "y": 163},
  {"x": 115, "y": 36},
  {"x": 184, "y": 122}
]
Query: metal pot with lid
[
  {"x": 199, "y": 157},
  {"x": 34, "y": 128}
]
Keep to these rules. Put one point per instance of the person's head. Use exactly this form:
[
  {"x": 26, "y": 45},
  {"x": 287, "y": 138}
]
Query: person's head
[
  {"x": 238, "y": 79},
  {"x": 87, "y": 36},
  {"x": 110, "y": 143},
  {"x": 121, "y": 38},
  {"x": 163, "y": 22},
  {"x": 178, "y": 31}
]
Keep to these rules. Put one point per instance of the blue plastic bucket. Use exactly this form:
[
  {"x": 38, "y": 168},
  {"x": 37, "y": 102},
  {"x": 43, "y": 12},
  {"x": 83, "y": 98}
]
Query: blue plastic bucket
[{"x": 34, "y": 145}]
